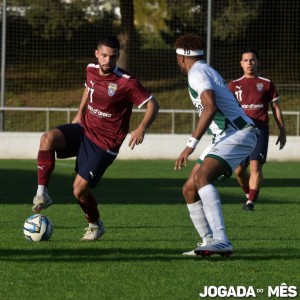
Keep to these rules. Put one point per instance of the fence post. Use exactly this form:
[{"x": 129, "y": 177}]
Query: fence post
[
  {"x": 3, "y": 63},
  {"x": 298, "y": 114},
  {"x": 47, "y": 119},
  {"x": 208, "y": 42},
  {"x": 173, "y": 121},
  {"x": 69, "y": 116}
]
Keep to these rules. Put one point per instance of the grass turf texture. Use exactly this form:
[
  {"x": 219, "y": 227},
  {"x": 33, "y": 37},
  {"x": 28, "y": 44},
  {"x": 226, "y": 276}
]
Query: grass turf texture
[{"x": 148, "y": 228}]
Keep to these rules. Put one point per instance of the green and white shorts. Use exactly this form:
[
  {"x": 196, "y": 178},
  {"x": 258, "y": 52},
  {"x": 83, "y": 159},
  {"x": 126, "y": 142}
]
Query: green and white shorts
[{"x": 231, "y": 147}]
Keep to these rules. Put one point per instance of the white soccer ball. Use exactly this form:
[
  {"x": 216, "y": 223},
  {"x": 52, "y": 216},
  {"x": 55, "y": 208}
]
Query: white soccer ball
[{"x": 37, "y": 228}]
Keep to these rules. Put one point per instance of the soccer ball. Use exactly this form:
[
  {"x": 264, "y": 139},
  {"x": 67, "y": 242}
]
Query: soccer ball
[{"x": 37, "y": 228}]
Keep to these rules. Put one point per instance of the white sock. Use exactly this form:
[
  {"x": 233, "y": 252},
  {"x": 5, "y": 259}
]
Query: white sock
[
  {"x": 199, "y": 220},
  {"x": 42, "y": 189},
  {"x": 213, "y": 211},
  {"x": 95, "y": 224}
]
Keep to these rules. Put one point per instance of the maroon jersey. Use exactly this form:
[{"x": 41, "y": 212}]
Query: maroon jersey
[
  {"x": 109, "y": 108},
  {"x": 254, "y": 95}
]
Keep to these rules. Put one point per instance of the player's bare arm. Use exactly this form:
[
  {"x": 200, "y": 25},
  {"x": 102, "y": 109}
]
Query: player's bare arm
[
  {"x": 82, "y": 106},
  {"x": 207, "y": 115},
  {"x": 137, "y": 135},
  {"x": 280, "y": 123}
]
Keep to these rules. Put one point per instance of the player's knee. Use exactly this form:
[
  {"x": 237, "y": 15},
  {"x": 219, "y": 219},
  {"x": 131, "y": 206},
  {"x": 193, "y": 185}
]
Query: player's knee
[
  {"x": 190, "y": 192},
  {"x": 79, "y": 192},
  {"x": 200, "y": 180},
  {"x": 186, "y": 190},
  {"x": 255, "y": 167},
  {"x": 52, "y": 140},
  {"x": 47, "y": 140},
  {"x": 239, "y": 171}
]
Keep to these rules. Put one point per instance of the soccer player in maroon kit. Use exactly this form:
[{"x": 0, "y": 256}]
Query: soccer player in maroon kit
[
  {"x": 255, "y": 94},
  {"x": 96, "y": 133}
]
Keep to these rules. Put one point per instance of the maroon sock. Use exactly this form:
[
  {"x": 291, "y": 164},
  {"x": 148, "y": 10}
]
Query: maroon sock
[
  {"x": 246, "y": 189},
  {"x": 89, "y": 206},
  {"x": 45, "y": 164},
  {"x": 253, "y": 195}
]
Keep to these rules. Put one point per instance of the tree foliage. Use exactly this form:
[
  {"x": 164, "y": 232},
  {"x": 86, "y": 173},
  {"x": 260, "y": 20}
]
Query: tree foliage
[
  {"x": 61, "y": 25},
  {"x": 59, "y": 18},
  {"x": 150, "y": 21},
  {"x": 234, "y": 18}
]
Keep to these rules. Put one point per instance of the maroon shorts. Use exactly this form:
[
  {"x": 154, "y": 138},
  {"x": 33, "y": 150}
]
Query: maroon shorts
[{"x": 261, "y": 149}]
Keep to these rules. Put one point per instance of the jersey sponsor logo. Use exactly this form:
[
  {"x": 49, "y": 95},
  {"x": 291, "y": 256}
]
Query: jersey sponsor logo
[
  {"x": 112, "y": 87},
  {"x": 252, "y": 106},
  {"x": 98, "y": 113},
  {"x": 260, "y": 87}
]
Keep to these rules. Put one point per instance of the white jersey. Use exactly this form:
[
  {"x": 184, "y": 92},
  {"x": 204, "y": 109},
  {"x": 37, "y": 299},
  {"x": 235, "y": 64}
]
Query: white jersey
[{"x": 202, "y": 77}]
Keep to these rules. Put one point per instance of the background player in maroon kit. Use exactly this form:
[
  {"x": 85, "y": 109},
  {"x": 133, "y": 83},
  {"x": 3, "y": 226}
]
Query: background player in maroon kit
[
  {"x": 96, "y": 133},
  {"x": 255, "y": 94}
]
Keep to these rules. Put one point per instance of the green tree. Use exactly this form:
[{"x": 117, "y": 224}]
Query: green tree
[
  {"x": 184, "y": 17},
  {"x": 127, "y": 35},
  {"x": 150, "y": 22},
  {"x": 56, "y": 18},
  {"x": 232, "y": 18}
]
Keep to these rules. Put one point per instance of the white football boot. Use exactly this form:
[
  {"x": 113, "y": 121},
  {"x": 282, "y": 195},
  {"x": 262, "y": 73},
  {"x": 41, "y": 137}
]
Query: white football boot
[
  {"x": 94, "y": 232},
  {"x": 223, "y": 248},
  {"x": 192, "y": 252},
  {"x": 41, "y": 202}
]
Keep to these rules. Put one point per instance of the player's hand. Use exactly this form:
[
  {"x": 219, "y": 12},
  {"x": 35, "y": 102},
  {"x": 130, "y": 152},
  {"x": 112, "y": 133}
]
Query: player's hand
[
  {"x": 182, "y": 160},
  {"x": 136, "y": 137},
  {"x": 77, "y": 118},
  {"x": 281, "y": 139}
]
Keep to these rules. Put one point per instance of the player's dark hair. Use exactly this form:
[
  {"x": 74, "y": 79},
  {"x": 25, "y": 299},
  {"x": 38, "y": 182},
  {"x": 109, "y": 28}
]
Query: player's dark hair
[
  {"x": 109, "y": 41},
  {"x": 250, "y": 50},
  {"x": 189, "y": 41}
]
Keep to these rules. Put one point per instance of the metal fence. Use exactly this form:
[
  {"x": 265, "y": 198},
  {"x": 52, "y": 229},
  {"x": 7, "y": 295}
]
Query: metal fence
[
  {"x": 170, "y": 121},
  {"x": 43, "y": 58}
]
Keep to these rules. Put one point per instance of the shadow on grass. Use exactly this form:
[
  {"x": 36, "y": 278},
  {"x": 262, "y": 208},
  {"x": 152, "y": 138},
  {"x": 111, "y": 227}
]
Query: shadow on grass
[
  {"x": 18, "y": 186},
  {"x": 137, "y": 254}
]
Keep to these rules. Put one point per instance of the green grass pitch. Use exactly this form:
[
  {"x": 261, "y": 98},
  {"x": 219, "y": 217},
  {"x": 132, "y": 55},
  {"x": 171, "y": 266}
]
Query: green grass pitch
[{"x": 148, "y": 228}]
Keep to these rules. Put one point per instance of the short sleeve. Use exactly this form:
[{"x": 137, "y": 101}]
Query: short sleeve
[
  {"x": 200, "y": 81},
  {"x": 137, "y": 93},
  {"x": 273, "y": 94}
]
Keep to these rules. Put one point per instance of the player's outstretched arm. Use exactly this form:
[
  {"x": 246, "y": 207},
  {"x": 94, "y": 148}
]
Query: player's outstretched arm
[{"x": 137, "y": 135}]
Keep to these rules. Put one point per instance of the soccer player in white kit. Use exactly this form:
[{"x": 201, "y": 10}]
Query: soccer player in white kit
[{"x": 234, "y": 139}]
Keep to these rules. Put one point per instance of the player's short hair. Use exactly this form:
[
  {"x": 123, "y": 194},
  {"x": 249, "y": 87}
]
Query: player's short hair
[
  {"x": 250, "y": 50},
  {"x": 109, "y": 41},
  {"x": 189, "y": 41}
]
